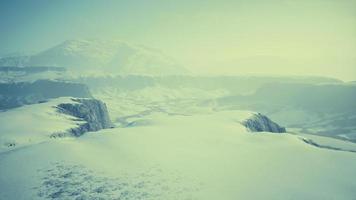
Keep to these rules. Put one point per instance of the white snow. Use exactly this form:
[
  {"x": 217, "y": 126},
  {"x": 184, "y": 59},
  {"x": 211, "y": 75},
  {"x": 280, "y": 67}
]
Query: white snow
[
  {"x": 32, "y": 124},
  {"x": 201, "y": 156},
  {"x": 98, "y": 56}
]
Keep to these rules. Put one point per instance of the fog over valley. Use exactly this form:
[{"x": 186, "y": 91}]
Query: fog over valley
[{"x": 163, "y": 100}]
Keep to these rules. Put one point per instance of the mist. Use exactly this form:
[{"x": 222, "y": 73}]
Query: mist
[
  {"x": 276, "y": 37},
  {"x": 177, "y": 100}
]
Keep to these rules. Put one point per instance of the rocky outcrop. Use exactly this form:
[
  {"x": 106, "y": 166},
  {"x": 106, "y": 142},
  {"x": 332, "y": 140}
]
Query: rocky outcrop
[
  {"x": 92, "y": 114},
  {"x": 260, "y": 123}
]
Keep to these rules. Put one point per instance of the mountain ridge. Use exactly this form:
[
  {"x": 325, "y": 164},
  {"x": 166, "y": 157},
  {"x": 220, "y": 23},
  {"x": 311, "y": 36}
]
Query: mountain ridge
[{"x": 101, "y": 56}]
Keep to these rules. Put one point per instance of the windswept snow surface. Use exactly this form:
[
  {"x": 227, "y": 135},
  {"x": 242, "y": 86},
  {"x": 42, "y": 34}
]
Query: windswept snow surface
[
  {"x": 201, "y": 156},
  {"x": 32, "y": 124}
]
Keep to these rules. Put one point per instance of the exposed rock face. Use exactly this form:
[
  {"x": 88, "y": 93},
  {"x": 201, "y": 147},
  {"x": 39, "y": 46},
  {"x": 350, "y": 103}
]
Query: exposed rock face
[
  {"x": 261, "y": 123},
  {"x": 14, "y": 95},
  {"x": 92, "y": 113}
]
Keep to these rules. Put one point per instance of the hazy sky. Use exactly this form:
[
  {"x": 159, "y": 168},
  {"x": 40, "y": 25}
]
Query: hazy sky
[{"x": 300, "y": 37}]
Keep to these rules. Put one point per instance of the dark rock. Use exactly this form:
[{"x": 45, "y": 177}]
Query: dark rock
[
  {"x": 92, "y": 113},
  {"x": 261, "y": 123}
]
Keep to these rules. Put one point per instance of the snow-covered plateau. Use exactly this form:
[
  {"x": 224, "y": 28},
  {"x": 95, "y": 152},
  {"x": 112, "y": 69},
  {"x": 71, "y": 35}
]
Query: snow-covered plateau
[{"x": 207, "y": 155}]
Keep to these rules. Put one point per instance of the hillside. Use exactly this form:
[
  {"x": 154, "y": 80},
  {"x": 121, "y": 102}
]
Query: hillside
[
  {"x": 43, "y": 122},
  {"x": 203, "y": 156}
]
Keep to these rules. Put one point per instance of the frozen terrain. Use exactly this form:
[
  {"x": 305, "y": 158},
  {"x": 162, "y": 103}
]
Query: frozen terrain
[
  {"x": 12, "y": 74},
  {"x": 16, "y": 94},
  {"x": 327, "y": 109},
  {"x": 108, "y": 120},
  {"x": 201, "y": 156},
  {"x": 37, "y": 123}
]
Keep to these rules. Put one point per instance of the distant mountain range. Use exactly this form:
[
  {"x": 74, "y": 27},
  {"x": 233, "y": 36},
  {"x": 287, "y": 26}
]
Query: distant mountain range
[{"x": 100, "y": 57}]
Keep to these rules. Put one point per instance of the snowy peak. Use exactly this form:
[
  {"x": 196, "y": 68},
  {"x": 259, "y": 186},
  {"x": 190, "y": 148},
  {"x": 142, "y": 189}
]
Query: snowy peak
[
  {"x": 95, "y": 49},
  {"x": 102, "y": 57}
]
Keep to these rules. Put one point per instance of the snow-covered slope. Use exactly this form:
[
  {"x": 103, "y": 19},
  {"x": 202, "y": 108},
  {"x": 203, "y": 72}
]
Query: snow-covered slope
[
  {"x": 323, "y": 109},
  {"x": 102, "y": 57},
  {"x": 32, "y": 124},
  {"x": 203, "y": 156}
]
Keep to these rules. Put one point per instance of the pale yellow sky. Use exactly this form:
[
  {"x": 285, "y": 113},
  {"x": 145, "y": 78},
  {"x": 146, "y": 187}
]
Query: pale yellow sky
[
  {"x": 266, "y": 37},
  {"x": 274, "y": 37}
]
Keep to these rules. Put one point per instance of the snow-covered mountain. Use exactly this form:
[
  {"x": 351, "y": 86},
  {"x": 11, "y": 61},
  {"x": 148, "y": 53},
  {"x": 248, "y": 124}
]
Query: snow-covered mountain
[{"x": 101, "y": 57}]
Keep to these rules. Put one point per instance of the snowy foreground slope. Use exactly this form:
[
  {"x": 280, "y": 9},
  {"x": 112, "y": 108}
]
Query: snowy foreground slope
[
  {"x": 201, "y": 156},
  {"x": 32, "y": 124},
  {"x": 59, "y": 117}
]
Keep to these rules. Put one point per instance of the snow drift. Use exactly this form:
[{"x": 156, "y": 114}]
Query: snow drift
[{"x": 197, "y": 157}]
